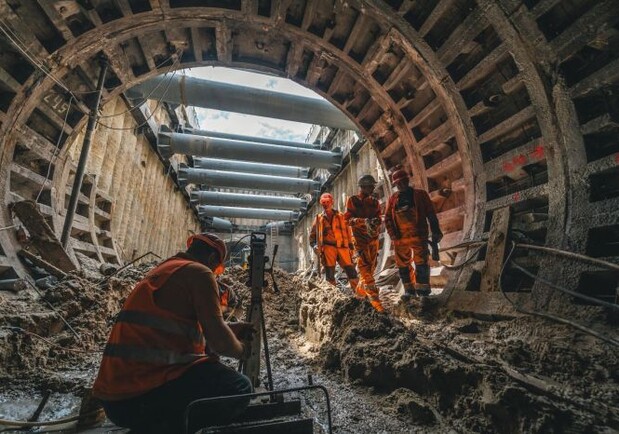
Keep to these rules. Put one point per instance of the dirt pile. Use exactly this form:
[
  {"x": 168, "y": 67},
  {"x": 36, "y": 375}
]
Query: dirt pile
[
  {"x": 38, "y": 349},
  {"x": 511, "y": 376}
]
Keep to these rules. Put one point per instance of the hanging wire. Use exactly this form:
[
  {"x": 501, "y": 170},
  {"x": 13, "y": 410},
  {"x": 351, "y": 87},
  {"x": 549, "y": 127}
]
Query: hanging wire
[
  {"x": 549, "y": 316},
  {"x": 165, "y": 91},
  {"x": 178, "y": 54},
  {"x": 56, "y": 151}
]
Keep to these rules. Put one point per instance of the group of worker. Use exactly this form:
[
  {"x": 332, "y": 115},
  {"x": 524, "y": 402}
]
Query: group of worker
[
  {"x": 163, "y": 350},
  {"x": 409, "y": 212}
]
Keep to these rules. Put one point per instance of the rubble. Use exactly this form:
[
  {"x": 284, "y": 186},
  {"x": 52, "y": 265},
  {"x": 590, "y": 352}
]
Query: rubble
[{"x": 432, "y": 373}]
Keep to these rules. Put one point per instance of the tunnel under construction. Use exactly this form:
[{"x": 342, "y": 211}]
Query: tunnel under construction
[{"x": 436, "y": 251}]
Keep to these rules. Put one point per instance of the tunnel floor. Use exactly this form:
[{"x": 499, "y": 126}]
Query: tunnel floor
[{"x": 415, "y": 369}]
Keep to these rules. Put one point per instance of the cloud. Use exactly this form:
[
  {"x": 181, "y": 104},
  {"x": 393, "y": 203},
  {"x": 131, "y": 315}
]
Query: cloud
[{"x": 271, "y": 84}]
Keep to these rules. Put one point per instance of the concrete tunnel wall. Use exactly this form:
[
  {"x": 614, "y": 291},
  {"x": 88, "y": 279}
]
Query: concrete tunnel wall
[{"x": 505, "y": 102}]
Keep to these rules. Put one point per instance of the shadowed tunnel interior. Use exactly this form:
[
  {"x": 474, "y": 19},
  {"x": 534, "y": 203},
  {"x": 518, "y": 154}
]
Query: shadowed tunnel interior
[{"x": 489, "y": 103}]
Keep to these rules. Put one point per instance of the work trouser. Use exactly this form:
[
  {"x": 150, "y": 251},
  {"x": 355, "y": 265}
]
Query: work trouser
[
  {"x": 366, "y": 262},
  {"x": 161, "y": 410},
  {"x": 411, "y": 242},
  {"x": 333, "y": 255}
]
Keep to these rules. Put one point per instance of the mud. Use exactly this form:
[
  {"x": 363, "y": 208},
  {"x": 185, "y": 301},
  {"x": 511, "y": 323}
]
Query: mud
[{"x": 413, "y": 370}]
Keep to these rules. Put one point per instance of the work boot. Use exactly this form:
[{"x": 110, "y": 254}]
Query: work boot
[
  {"x": 376, "y": 304},
  {"x": 409, "y": 292},
  {"x": 423, "y": 289}
]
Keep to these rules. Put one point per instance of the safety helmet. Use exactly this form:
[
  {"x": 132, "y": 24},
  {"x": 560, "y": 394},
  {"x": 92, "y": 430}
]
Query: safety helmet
[
  {"x": 326, "y": 199},
  {"x": 366, "y": 180},
  {"x": 216, "y": 243},
  {"x": 399, "y": 175}
]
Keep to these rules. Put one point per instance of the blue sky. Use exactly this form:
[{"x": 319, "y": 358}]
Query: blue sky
[{"x": 228, "y": 122}]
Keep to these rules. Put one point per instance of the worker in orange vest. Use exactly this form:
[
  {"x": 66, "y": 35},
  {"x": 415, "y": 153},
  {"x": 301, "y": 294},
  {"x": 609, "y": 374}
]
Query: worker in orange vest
[
  {"x": 364, "y": 217},
  {"x": 163, "y": 350},
  {"x": 331, "y": 239},
  {"x": 407, "y": 216}
]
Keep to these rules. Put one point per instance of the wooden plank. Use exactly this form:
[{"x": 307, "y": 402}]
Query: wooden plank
[
  {"x": 57, "y": 19},
  {"x": 486, "y": 304},
  {"x": 508, "y": 124},
  {"x": 472, "y": 26},
  {"x": 40, "y": 262},
  {"x": 293, "y": 58},
  {"x": 124, "y": 6},
  {"x": 223, "y": 43},
  {"x": 147, "y": 52},
  {"x": 8, "y": 80},
  {"x": 439, "y": 10},
  {"x": 196, "y": 44},
  {"x": 430, "y": 108},
  {"x": 543, "y": 6},
  {"x": 308, "y": 13},
  {"x": 42, "y": 237},
  {"x": 439, "y": 135},
  {"x": 495, "y": 253},
  {"x": 357, "y": 29},
  {"x": 483, "y": 67},
  {"x": 600, "y": 78}
]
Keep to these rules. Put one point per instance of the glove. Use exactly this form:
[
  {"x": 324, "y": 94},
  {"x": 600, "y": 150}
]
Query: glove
[{"x": 437, "y": 237}]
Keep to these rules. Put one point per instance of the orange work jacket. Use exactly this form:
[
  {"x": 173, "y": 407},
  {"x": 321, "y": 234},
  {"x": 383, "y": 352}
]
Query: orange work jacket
[
  {"x": 362, "y": 207},
  {"x": 331, "y": 233},
  {"x": 148, "y": 345}
]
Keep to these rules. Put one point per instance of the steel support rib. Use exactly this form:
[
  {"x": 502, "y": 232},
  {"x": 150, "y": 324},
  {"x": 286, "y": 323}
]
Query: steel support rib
[
  {"x": 247, "y": 200},
  {"x": 248, "y": 213},
  {"x": 81, "y": 165},
  {"x": 251, "y": 181},
  {"x": 254, "y": 139},
  {"x": 246, "y": 167},
  {"x": 198, "y": 92},
  {"x": 170, "y": 143}
]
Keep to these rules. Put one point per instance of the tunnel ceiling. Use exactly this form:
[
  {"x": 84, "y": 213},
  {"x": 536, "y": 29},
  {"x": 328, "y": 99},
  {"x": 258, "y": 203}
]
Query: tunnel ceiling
[{"x": 501, "y": 102}]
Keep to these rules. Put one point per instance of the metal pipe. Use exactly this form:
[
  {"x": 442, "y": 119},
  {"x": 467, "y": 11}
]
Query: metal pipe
[
  {"x": 248, "y": 200},
  {"x": 254, "y": 139},
  {"x": 248, "y": 213},
  {"x": 170, "y": 143},
  {"x": 219, "y": 224},
  {"x": 197, "y": 92},
  {"x": 219, "y": 178},
  {"x": 81, "y": 165},
  {"x": 244, "y": 166}
]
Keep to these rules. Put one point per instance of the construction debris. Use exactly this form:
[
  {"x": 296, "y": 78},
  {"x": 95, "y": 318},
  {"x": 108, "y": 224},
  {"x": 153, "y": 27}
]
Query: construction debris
[{"x": 401, "y": 375}]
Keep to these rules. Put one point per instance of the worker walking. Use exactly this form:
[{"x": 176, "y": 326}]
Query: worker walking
[
  {"x": 163, "y": 350},
  {"x": 406, "y": 219},
  {"x": 331, "y": 240},
  {"x": 364, "y": 217}
]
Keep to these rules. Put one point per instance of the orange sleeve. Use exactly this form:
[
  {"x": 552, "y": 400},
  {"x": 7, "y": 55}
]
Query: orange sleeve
[{"x": 203, "y": 290}]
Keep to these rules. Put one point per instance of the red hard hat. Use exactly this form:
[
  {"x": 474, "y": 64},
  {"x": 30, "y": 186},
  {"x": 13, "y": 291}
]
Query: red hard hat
[
  {"x": 215, "y": 242},
  {"x": 326, "y": 199},
  {"x": 399, "y": 175}
]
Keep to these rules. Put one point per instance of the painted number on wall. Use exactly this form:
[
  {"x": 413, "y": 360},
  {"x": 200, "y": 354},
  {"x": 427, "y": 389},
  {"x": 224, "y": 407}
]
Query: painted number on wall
[{"x": 57, "y": 102}]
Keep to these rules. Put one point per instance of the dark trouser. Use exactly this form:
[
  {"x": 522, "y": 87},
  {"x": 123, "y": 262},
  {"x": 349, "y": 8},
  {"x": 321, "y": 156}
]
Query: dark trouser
[{"x": 161, "y": 410}]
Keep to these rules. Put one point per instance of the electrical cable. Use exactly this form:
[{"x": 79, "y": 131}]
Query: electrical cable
[
  {"x": 165, "y": 91},
  {"x": 26, "y": 424},
  {"x": 548, "y": 316},
  {"x": 54, "y": 309},
  {"x": 571, "y": 255},
  {"x": 47, "y": 341},
  {"x": 55, "y": 153},
  {"x": 562, "y": 289},
  {"x": 178, "y": 53}
]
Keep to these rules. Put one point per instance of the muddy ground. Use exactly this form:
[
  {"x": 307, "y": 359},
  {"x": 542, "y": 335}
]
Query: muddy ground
[{"x": 413, "y": 370}]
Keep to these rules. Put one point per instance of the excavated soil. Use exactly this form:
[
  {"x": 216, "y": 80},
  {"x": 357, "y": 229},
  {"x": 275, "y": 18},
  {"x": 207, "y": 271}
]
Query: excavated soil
[{"x": 412, "y": 370}]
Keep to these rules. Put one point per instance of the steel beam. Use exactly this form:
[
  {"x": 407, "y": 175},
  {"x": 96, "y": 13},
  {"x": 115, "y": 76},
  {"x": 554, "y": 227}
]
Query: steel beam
[
  {"x": 170, "y": 143},
  {"x": 249, "y": 181},
  {"x": 248, "y": 213},
  {"x": 254, "y": 139},
  {"x": 197, "y": 92},
  {"x": 219, "y": 224},
  {"x": 248, "y": 200},
  {"x": 246, "y": 167}
]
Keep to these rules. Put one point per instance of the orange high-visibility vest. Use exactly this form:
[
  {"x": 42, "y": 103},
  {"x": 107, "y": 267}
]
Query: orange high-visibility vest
[
  {"x": 148, "y": 345},
  {"x": 339, "y": 228}
]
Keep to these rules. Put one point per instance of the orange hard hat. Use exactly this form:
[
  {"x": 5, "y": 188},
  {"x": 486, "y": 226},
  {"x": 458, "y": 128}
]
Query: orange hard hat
[
  {"x": 215, "y": 242},
  {"x": 326, "y": 199},
  {"x": 399, "y": 175}
]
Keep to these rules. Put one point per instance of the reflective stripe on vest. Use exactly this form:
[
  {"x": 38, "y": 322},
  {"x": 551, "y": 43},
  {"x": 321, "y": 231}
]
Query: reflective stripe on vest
[
  {"x": 162, "y": 324},
  {"x": 149, "y": 355}
]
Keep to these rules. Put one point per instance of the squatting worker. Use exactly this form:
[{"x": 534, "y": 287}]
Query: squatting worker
[
  {"x": 163, "y": 350},
  {"x": 331, "y": 239},
  {"x": 364, "y": 217},
  {"x": 407, "y": 216}
]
